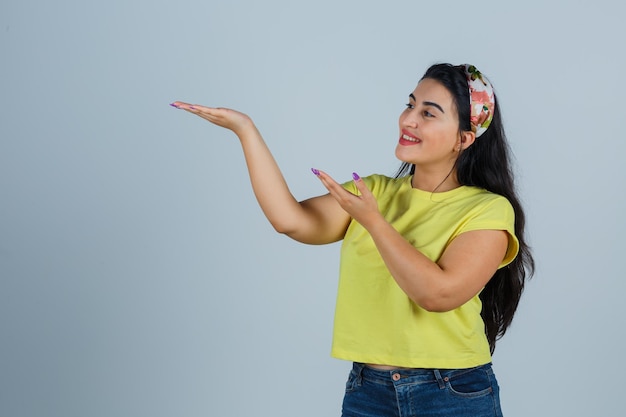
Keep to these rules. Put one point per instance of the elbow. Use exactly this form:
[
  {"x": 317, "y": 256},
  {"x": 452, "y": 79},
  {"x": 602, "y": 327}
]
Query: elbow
[
  {"x": 287, "y": 230},
  {"x": 283, "y": 225},
  {"x": 435, "y": 303},
  {"x": 281, "y": 228},
  {"x": 284, "y": 228}
]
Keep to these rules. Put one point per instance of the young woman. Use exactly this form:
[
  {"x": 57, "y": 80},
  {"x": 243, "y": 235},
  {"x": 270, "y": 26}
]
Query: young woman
[{"x": 433, "y": 261}]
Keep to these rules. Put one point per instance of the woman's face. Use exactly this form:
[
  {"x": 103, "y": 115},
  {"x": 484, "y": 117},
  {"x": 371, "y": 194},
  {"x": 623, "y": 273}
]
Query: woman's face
[{"x": 429, "y": 127}]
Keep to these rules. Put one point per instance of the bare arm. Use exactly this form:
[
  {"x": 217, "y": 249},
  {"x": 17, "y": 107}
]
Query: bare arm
[
  {"x": 462, "y": 271},
  {"x": 317, "y": 220}
]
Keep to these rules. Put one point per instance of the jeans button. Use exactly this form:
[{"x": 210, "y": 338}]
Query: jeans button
[{"x": 395, "y": 377}]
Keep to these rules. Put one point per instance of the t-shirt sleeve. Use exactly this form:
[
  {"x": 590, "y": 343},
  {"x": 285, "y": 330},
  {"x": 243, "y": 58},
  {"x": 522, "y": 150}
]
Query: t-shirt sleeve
[
  {"x": 350, "y": 186},
  {"x": 372, "y": 182},
  {"x": 496, "y": 215}
]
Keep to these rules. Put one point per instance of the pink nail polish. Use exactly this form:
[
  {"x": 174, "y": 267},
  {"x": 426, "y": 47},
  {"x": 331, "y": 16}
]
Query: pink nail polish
[
  {"x": 315, "y": 171},
  {"x": 355, "y": 176}
]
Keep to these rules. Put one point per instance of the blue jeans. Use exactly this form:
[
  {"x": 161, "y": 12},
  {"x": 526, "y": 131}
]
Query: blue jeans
[{"x": 469, "y": 392}]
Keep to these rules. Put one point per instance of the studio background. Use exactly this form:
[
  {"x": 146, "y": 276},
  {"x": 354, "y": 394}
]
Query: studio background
[{"x": 138, "y": 277}]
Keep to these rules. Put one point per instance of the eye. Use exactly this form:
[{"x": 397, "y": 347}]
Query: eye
[
  {"x": 409, "y": 106},
  {"x": 428, "y": 114}
]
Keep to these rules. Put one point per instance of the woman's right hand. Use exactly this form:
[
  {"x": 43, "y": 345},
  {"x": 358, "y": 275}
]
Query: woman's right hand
[
  {"x": 226, "y": 118},
  {"x": 317, "y": 220}
]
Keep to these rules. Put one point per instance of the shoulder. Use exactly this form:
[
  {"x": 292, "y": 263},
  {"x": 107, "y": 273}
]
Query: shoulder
[
  {"x": 377, "y": 183},
  {"x": 492, "y": 211},
  {"x": 382, "y": 181},
  {"x": 485, "y": 200}
]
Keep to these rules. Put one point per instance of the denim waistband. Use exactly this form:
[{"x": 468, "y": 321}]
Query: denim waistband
[{"x": 411, "y": 376}]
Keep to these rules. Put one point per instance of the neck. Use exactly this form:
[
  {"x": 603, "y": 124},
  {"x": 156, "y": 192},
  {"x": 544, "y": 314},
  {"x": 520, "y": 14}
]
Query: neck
[{"x": 434, "y": 182}]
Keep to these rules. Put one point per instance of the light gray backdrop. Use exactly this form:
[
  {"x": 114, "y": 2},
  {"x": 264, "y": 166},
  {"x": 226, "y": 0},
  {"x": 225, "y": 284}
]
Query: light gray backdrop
[{"x": 138, "y": 277}]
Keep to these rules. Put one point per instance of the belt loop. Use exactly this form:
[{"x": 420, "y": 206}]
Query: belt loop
[
  {"x": 358, "y": 370},
  {"x": 440, "y": 380}
]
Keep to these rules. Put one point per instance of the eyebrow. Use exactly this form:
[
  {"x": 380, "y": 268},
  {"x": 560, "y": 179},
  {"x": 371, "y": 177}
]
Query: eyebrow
[{"x": 428, "y": 103}]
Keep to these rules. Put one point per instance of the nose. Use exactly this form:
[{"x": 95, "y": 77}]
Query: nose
[{"x": 408, "y": 118}]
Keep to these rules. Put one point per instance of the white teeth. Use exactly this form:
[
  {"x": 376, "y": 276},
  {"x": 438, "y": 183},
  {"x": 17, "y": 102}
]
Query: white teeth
[{"x": 410, "y": 139}]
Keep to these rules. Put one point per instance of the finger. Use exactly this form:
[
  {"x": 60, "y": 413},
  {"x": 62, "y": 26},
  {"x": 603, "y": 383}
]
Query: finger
[
  {"x": 213, "y": 115},
  {"x": 183, "y": 105},
  {"x": 194, "y": 108},
  {"x": 360, "y": 185},
  {"x": 328, "y": 181},
  {"x": 197, "y": 108},
  {"x": 344, "y": 197}
]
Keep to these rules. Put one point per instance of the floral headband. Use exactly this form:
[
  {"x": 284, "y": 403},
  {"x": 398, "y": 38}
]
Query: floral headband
[{"x": 482, "y": 99}]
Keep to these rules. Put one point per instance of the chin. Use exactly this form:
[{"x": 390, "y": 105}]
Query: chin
[
  {"x": 398, "y": 152},
  {"x": 402, "y": 156}
]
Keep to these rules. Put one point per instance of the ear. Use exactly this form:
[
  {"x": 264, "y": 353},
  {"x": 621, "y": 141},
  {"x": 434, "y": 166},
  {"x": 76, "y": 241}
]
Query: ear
[{"x": 467, "y": 139}]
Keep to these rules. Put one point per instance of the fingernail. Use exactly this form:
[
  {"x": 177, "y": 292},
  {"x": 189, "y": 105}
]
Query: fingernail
[
  {"x": 174, "y": 105},
  {"x": 355, "y": 176},
  {"x": 192, "y": 107},
  {"x": 315, "y": 171}
]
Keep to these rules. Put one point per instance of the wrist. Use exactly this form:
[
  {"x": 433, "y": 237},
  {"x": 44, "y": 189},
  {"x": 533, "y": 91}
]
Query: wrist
[
  {"x": 374, "y": 222},
  {"x": 246, "y": 130}
]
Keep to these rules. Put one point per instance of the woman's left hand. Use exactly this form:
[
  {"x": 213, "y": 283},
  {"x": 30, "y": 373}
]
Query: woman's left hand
[{"x": 363, "y": 208}]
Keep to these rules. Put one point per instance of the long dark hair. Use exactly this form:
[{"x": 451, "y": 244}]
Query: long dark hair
[{"x": 486, "y": 164}]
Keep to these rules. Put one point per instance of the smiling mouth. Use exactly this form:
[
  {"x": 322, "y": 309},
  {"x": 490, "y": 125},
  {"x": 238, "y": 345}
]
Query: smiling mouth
[{"x": 409, "y": 140}]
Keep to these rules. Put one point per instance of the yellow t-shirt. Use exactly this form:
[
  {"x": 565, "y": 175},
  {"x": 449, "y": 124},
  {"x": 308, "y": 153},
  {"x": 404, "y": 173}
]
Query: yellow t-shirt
[{"x": 375, "y": 321}]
